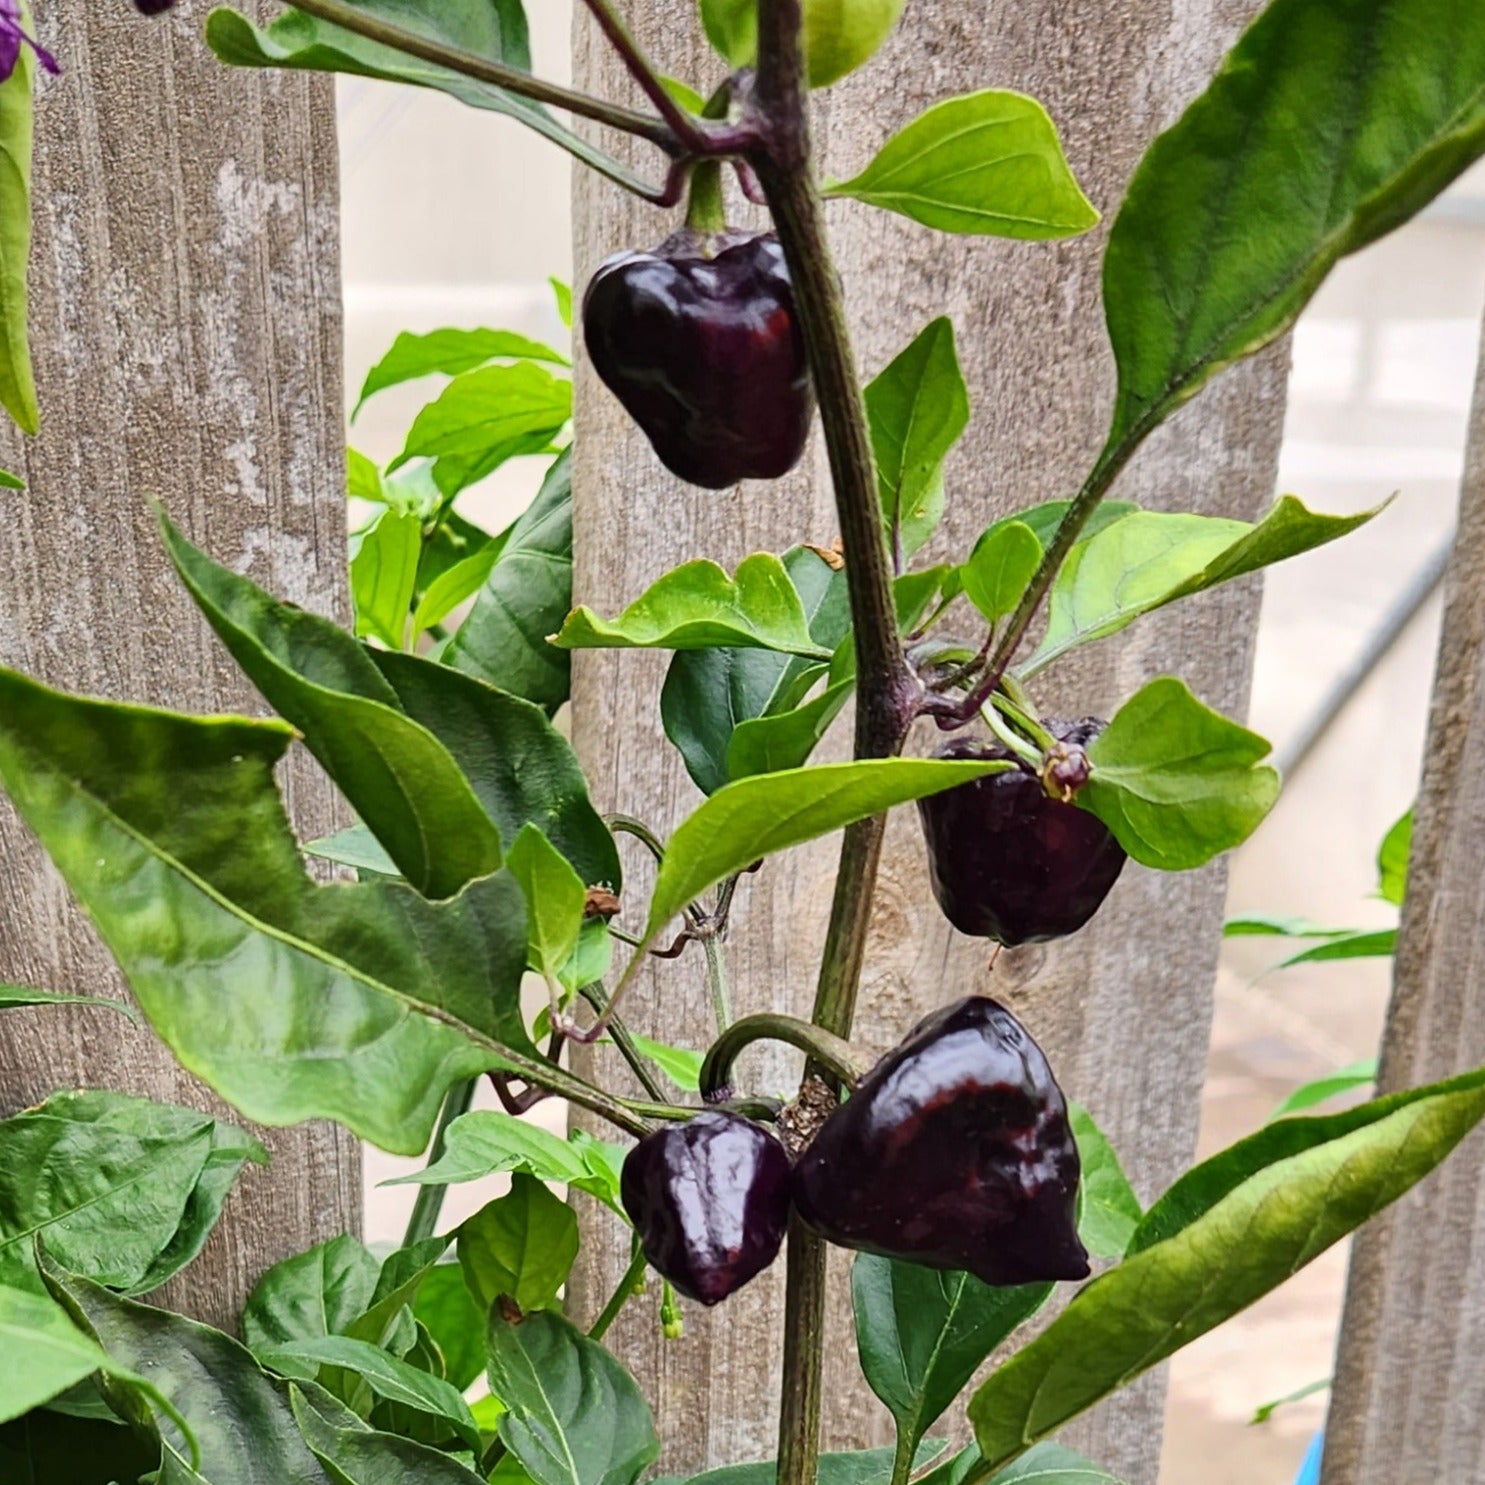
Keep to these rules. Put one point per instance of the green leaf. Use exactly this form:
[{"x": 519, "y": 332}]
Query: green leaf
[
  {"x": 357, "y": 847},
  {"x": 13, "y": 997},
  {"x": 1177, "y": 782},
  {"x": 1110, "y": 1211},
  {"x": 486, "y": 1142},
  {"x": 504, "y": 638},
  {"x": 1149, "y": 559},
  {"x": 758, "y": 817},
  {"x": 293, "y": 1000},
  {"x": 17, "y": 117},
  {"x": 521, "y": 769},
  {"x": 1045, "y": 1464},
  {"x": 398, "y": 777},
  {"x": 384, "y": 574},
  {"x": 987, "y": 163},
  {"x": 456, "y": 1323},
  {"x": 774, "y": 744},
  {"x": 698, "y": 606},
  {"x": 681, "y": 1065},
  {"x": 858, "y": 1467},
  {"x": 1392, "y": 860},
  {"x": 1332, "y": 1085},
  {"x": 398, "y": 1285},
  {"x": 42, "y": 1352},
  {"x": 1268, "y": 1409},
  {"x": 357, "y": 1455},
  {"x": 922, "y": 1334},
  {"x": 1266, "y": 925},
  {"x": 562, "y": 292},
  {"x": 449, "y": 353},
  {"x": 1226, "y": 1234},
  {"x": 385, "y": 1375},
  {"x": 121, "y": 1190},
  {"x": 454, "y": 585},
  {"x": 708, "y": 694},
  {"x": 555, "y": 899},
  {"x": 839, "y": 35},
  {"x": 575, "y": 1416},
  {"x": 521, "y": 1245},
  {"x": 494, "y": 29},
  {"x": 364, "y": 478},
  {"x": 312, "y": 1294},
  {"x": 1380, "y": 943},
  {"x": 494, "y": 408},
  {"x": 1000, "y": 568},
  {"x": 1228, "y": 228},
  {"x": 917, "y": 408},
  {"x": 9, "y": 481}
]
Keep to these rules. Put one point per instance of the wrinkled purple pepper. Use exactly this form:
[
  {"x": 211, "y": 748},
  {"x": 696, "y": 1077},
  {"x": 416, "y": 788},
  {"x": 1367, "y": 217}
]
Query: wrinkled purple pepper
[
  {"x": 700, "y": 342},
  {"x": 954, "y": 1152},
  {"x": 710, "y": 1201},
  {"x": 1007, "y": 861}
]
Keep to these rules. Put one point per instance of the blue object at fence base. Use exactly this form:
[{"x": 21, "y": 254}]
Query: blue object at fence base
[{"x": 1309, "y": 1471}]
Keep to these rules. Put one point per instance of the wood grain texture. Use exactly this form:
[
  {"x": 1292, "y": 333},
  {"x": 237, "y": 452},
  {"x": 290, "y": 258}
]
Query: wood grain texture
[
  {"x": 1410, "y": 1386},
  {"x": 187, "y": 332},
  {"x": 1123, "y": 1009}
]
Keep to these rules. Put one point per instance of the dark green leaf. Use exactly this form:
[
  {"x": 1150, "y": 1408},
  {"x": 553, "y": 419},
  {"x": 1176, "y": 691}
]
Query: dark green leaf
[
  {"x": 1223, "y": 1236},
  {"x": 1045, "y": 1464},
  {"x": 917, "y": 408},
  {"x": 1378, "y": 943},
  {"x": 859, "y": 1467},
  {"x": 397, "y": 1287},
  {"x": 698, "y": 607},
  {"x": 17, "y": 385},
  {"x": 922, "y": 1334},
  {"x": 1177, "y": 782},
  {"x": 359, "y": 1456},
  {"x": 293, "y": 1000},
  {"x": 312, "y": 1294},
  {"x": 522, "y": 770},
  {"x": 449, "y": 353},
  {"x": 1000, "y": 568},
  {"x": 398, "y": 777},
  {"x": 522, "y": 1245},
  {"x": 1332, "y": 1085},
  {"x": 1228, "y": 228},
  {"x": 120, "y": 1189},
  {"x": 1392, "y": 860},
  {"x": 445, "y": 1305},
  {"x": 575, "y": 1416},
  {"x": 1110, "y": 1210},
  {"x": 785, "y": 741},
  {"x": 13, "y": 997},
  {"x": 708, "y": 694},
  {"x": 987, "y": 163},
  {"x": 42, "y": 1352},
  {"x": 504, "y": 638},
  {"x": 384, "y": 574},
  {"x": 495, "y": 408}
]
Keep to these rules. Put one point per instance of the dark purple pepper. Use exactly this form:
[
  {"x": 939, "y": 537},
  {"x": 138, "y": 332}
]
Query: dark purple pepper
[
  {"x": 710, "y": 1201},
  {"x": 954, "y": 1152},
  {"x": 700, "y": 342},
  {"x": 1007, "y": 861},
  {"x": 154, "y": 7}
]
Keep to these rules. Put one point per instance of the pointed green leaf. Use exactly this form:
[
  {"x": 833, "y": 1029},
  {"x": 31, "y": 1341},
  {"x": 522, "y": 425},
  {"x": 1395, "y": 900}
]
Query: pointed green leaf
[
  {"x": 681, "y": 1065},
  {"x": 1379, "y": 943},
  {"x": 455, "y": 584},
  {"x": 493, "y": 408},
  {"x": 575, "y": 1416},
  {"x": 398, "y": 1285},
  {"x": 1392, "y": 860},
  {"x": 449, "y": 353},
  {"x": 353, "y": 1454},
  {"x": 356, "y": 847},
  {"x": 1222, "y": 1237},
  {"x": 785, "y": 741},
  {"x": 315, "y": 1293},
  {"x": 1228, "y": 228},
  {"x": 1045, "y": 1464},
  {"x": 758, "y": 817},
  {"x": 398, "y": 777},
  {"x": 555, "y": 899},
  {"x": 917, "y": 408},
  {"x": 293, "y": 1000},
  {"x": 839, "y": 35},
  {"x": 1267, "y": 925},
  {"x": 521, "y": 1245},
  {"x": 562, "y": 292},
  {"x": 1177, "y": 782},
  {"x": 13, "y": 997},
  {"x": 384, "y": 574},
  {"x": 856, "y": 1467},
  {"x": 698, "y": 606},
  {"x": 17, "y": 385},
  {"x": 1332, "y": 1085},
  {"x": 456, "y": 1323},
  {"x": 1268, "y": 1409},
  {"x": 1000, "y": 568},
  {"x": 42, "y": 1352},
  {"x": 9, "y": 481},
  {"x": 988, "y": 163},
  {"x": 1109, "y": 1210}
]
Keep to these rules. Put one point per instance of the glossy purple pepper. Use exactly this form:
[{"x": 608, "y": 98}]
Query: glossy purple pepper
[
  {"x": 710, "y": 1201},
  {"x": 700, "y": 342},
  {"x": 1007, "y": 861},
  {"x": 954, "y": 1152}
]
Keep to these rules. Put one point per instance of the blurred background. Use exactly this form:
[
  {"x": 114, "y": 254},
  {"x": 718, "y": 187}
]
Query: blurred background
[{"x": 1384, "y": 367}]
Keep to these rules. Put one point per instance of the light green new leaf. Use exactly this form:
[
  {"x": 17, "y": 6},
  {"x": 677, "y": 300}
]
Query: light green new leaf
[
  {"x": 449, "y": 353},
  {"x": 1177, "y": 782},
  {"x": 13, "y": 997},
  {"x": 1332, "y": 1085},
  {"x": 1108, "y": 1211},
  {"x": 555, "y": 899},
  {"x": 459, "y": 581},
  {"x": 1269, "y": 925},
  {"x": 681, "y": 1065},
  {"x": 1392, "y": 860},
  {"x": 1148, "y": 559},
  {"x": 785, "y": 741},
  {"x": 987, "y": 163},
  {"x": 839, "y": 35},
  {"x": 384, "y": 574},
  {"x": 562, "y": 293},
  {"x": 354, "y": 1454},
  {"x": 698, "y": 606},
  {"x": 1228, "y": 228},
  {"x": 1000, "y": 568},
  {"x": 1370, "y": 943},
  {"x": 9, "y": 481},
  {"x": 491, "y": 409},
  {"x": 398, "y": 777},
  {"x": 1267, "y": 1410},
  {"x": 122, "y": 1190},
  {"x": 757, "y": 817},
  {"x": 575, "y": 1416},
  {"x": 42, "y": 1352},
  {"x": 293, "y": 1000},
  {"x": 17, "y": 118},
  {"x": 521, "y": 1245},
  {"x": 1226, "y": 1234},
  {"x": 917, "y": 408}
]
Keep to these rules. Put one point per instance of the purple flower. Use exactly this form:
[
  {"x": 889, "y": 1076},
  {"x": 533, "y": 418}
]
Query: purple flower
[{"x": 11, "y": 37}]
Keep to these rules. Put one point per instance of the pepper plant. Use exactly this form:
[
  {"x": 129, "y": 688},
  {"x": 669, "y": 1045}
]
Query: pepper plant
[{"x": 481, "y": 859}]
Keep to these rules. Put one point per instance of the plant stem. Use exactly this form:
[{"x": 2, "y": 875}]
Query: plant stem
[
  {"x": 619, "y": 1034},
  {"x": 424, "y": 1220},
  {"x": 902, "y": 1460},
  {"x": 888, "y": 693},
  {"x": 620, "y": 1297},
  {"x": 830, "y": 1052},
  {"x": 716, "y": 978}
]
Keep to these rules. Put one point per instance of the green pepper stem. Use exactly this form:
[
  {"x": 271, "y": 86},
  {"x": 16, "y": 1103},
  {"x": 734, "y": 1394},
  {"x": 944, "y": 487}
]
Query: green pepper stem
[
  {"x": 429, "y": 1203},
  {"x": 628, "y": 1286},
  {"x": 832, "y": 1053}
]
